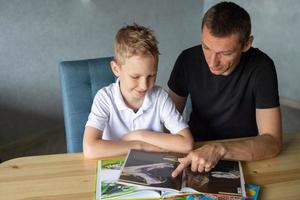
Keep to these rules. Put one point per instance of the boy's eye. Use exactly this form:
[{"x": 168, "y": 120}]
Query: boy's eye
[{"x": 134, "y": 77}]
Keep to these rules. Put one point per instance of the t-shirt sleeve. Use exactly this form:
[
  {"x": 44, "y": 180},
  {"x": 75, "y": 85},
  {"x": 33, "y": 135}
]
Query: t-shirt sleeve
[
  {"x": 169, "y": 115},
  {"x": 266, "y": 87},
  {"x": 98, "y": 118},
  {"x": 178, "y": 80}
]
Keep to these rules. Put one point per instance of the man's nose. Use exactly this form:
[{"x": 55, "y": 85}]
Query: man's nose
[{"x": 213, "y": 60}]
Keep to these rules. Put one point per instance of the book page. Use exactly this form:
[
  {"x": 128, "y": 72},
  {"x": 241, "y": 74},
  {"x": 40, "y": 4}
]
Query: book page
[
  {"x": 107, "y": 187},
  {"x": 225, "y": 178},
  {"x": 150, "y": 170}
]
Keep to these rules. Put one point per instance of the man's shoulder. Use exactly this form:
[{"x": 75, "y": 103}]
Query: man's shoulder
[
  {"x": 254, "y": 61},
  {"x": 259, "y": 55},
  {"x": 192, "y": 56},
  {"x": 192, "y": 50}
]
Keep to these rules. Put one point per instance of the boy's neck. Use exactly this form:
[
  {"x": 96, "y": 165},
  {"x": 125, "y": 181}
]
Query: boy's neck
[{"x": 134, "y": 105}]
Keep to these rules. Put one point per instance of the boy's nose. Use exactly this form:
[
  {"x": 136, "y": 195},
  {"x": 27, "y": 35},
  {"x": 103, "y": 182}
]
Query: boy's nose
[{"x": 143, "y": 84}]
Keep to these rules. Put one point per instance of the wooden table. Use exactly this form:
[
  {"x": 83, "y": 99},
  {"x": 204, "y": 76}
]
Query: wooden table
[{"x": 70, "y": 176}]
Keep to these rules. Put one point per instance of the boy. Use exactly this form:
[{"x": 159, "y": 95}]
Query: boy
[{"x": 130, "y": 113}]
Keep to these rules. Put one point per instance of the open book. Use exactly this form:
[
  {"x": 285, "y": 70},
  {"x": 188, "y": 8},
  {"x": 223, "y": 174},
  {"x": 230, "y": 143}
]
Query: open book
[
  {"x": 107, "y": 187},
  {"x": 152, "y": 171}
]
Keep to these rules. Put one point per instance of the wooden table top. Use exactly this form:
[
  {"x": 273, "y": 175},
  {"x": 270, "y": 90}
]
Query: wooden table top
[{"x": 70, "y": 176}]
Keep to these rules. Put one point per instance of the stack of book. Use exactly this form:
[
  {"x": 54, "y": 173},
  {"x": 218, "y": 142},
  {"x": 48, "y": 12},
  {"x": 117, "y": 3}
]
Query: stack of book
[{"x": 147, "y": 176}]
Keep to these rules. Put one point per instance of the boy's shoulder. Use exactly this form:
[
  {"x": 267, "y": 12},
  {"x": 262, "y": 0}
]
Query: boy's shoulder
[
  {"x": 158, "y": 93},
  {"x": 106, "y": 91},
  {"x": 158, "y": 90}
]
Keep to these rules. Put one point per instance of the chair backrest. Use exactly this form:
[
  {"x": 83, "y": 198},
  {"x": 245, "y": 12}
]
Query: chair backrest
[{"x": 80, "y": 80}]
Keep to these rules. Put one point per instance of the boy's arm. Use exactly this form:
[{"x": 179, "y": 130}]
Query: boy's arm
[
  {"x": 181, "y": 142},
  {"x": 95, "y": 147}
]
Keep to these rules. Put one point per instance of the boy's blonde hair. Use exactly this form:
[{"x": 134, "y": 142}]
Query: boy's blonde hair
[{"x": 134, "y": 40}]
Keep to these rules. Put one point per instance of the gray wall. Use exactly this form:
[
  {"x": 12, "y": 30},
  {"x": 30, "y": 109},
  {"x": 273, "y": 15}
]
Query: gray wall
[
  {"x": 276, "y": 30},
  {"x": 36, "y": 35}
]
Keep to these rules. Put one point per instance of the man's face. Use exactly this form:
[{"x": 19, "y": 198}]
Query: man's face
[{"x": 222, "y": 54}]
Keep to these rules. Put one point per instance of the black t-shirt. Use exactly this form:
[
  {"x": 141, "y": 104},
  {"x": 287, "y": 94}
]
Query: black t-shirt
[{"x": 224, "y": 106}]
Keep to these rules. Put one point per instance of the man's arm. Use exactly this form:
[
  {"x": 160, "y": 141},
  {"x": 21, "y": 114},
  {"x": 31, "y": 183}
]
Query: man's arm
[
  {"x": 179, "y": 101},
  {"x": 266, "y": 145},
  {"x": 95, "y": 147}
]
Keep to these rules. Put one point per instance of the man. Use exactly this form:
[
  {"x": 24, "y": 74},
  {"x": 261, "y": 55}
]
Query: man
[{"x": 233, "y": 89}]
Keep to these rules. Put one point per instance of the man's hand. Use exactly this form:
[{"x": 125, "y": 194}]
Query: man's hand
[{"x": 202, "y": 159}]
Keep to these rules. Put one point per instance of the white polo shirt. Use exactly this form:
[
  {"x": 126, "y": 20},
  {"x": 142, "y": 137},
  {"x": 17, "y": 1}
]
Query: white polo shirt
[{"x": 110, "y": 114}]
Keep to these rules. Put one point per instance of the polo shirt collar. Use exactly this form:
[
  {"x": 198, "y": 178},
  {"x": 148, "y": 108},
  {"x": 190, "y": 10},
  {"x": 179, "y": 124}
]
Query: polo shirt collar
[{"x": 120, "y": 104}]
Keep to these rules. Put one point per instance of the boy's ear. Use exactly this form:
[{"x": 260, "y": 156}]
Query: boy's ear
[
  {"x": 248, "y": 44},
  {"x": 115, "y": 68}
]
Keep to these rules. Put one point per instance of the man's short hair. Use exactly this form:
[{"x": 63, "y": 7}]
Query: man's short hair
[
  {"x": 226, "y": 18},
  {"x": 134, "y": 40}
]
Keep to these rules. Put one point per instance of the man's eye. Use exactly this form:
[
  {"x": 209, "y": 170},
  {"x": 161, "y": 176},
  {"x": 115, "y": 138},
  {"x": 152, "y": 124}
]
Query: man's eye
[
  {"x": 227, "y": 53},
  {"x": 134, "y": 77},
  {"x": 206, "y": 49}
]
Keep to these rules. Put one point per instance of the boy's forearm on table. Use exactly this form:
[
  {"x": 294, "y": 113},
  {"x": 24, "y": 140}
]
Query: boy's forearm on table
[
  {"x": 107, "y": 148},
  {"x": 170, "y": 142}
]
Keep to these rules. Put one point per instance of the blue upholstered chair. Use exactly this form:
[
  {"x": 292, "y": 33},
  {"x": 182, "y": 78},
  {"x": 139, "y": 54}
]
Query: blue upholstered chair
[{"x": 80, "y": 80}]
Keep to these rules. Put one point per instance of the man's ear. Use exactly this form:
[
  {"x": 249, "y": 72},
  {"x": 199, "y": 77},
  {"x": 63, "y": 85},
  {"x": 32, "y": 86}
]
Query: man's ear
[
  {"x": 115, "y": 68},
  {"x": 248, "y": 44}
]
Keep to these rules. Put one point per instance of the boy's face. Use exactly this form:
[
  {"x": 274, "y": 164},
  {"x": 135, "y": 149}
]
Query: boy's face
[{"x": 137, "y": 75}]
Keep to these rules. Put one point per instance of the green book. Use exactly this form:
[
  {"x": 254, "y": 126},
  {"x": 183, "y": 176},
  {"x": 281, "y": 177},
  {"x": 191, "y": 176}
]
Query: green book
[{"x": 107, "y": 187}]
